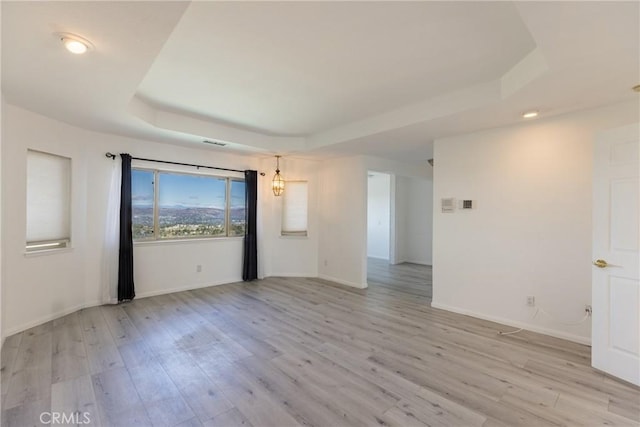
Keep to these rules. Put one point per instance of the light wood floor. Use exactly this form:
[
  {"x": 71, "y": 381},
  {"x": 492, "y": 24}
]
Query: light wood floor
[
  {"x": 287, "y": 351},
  {"x": 406, "y": 277}
]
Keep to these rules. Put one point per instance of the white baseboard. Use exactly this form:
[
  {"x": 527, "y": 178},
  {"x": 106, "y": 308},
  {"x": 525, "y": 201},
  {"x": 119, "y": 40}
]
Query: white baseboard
[
  {"x": 343, "y": 282},
  {"x": 516, "y": 324},
  {"x": 186, "y": 288},
  {"x": 56, "y": 315},
  {"x": 419, "y": 262},
  {"x": 48, "y": 318},
  {"x": 306, "y": 275},
  {"x": 379, "y": 257}
]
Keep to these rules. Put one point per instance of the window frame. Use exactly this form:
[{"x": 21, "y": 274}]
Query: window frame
[
  {"x": 304, "y": 233},
  {"x": 50, "y": 245},
  {"x": 47, "y": 245},
  {"x": 228, "y": 213},
  {"x": 155, "y": 207},
  {"x": 156, "y": 211}
]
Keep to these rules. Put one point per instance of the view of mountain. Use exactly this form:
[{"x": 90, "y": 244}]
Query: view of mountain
[{"x": 186, "y": 221}]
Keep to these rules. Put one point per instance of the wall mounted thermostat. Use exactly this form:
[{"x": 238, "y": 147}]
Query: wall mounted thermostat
[
  {"x": 448, "y": 205},
  {"x": 466, "y": 204}
]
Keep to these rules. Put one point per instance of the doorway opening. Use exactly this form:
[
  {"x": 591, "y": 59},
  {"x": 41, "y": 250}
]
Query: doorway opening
[
  {"x": 379, "y": 216},
  {"x": 399, "y": 233}
]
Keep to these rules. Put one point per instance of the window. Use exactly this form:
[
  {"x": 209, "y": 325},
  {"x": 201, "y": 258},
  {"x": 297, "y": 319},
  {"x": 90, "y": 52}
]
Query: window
[
  {"x": 294, "y": 210},
  {"x": 191, "y": 205},
  {"x": 237, "y": 211},
  {"x": 48, "y": 201},
  {"x": 171, "y": 205},
  {"x": 142, "y": 204}
]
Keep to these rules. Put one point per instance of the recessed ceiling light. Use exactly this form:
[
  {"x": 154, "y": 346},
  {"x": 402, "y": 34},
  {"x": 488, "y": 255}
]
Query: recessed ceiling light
[
  {"x": 530, "y": 114},
  {"x": 636, "y": 88},
  {"x": 75, "y": 44}
]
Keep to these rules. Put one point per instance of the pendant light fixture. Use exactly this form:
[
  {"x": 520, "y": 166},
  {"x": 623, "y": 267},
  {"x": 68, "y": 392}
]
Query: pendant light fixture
[{"x": 277, "y": 183}]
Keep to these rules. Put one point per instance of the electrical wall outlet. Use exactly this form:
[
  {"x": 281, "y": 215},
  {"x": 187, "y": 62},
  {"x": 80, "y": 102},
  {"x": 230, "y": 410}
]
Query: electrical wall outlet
[
  {"x": 198, "y": 268},
  {"x": 531, "y": 301},
  {"x": 588, "y": 309}
]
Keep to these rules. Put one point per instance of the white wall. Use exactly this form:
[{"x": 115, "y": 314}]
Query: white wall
[
  {"x": 342, "y": 255},
  {"x": 36, "y": 287},
  {"x": 530, "y": 233},
  {"x": 2, "y": 311},
  {"x": 342, "y": 250},
  {"x": 295, "y": 256},
  {"x": 378, "y": 215},
  {"x": 39, "y": 287},
  {"x": 400, "y": 214},
  {"x": 413, "y": 220},
  {"x": 419, "y": 221}
]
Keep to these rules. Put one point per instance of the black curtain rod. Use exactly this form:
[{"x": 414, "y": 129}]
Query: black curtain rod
[{"x": 113, "y": 156}]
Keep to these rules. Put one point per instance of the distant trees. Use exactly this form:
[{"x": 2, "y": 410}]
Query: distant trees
[{"x": 144, "y": 231}]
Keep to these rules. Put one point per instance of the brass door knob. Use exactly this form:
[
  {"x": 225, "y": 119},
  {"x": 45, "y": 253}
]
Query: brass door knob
[{"x": 600, "y": 263}]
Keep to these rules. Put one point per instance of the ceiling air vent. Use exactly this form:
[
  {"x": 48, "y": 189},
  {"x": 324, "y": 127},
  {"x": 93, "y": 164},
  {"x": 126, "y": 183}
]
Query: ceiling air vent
[{"x": 218, "y": 143}]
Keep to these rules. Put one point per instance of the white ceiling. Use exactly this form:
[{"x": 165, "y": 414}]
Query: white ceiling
[
  {"x": 317, "y": 78},
  {"x": 301, "y": 68}
]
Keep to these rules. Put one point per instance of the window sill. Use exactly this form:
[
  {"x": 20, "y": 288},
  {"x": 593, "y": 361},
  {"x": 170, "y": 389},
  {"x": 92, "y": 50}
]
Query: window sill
[
  {"x": 45, "y": 252},
  {"x": 185, "y": 241},
  {"x": 294, "y": 236}
]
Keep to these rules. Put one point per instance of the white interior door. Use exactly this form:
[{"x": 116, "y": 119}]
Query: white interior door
[{"x": 616, "y": 244}]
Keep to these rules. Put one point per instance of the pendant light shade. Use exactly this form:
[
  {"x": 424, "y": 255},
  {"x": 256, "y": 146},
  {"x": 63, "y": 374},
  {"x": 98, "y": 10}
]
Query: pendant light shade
[{"x": 277, "y": 183}]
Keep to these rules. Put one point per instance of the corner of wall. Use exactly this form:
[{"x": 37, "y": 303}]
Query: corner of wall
[
  {"x": 342, "y": 249},
  {"x": 516, "y": 324},
  {"x": 39, "y": 289},
  {"x": 530, "y": 232},
  {"x": 344, "y": 282},
  {"x": 2, "y": 204}
]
